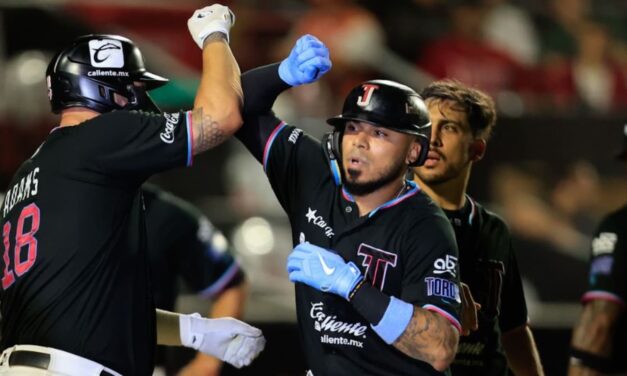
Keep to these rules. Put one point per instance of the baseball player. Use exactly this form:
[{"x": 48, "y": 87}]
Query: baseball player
[
  {"x": 462, "y": 119},
  {"x": 182, "y": 242},
  {"x": 75, "y": 295},
  {"x": 599, "y": 342},
  {"x": 375, "y": 260}
]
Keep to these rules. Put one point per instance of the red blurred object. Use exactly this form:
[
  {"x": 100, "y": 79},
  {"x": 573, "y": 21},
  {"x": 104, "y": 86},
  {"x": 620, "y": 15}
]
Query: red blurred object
[{"x": 474, "y": 63}]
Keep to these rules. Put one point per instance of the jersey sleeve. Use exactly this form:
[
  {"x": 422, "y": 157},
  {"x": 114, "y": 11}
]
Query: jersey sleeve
[
  {"x": 513, "y": 309},
  {"x": 294, "y": 163},
  {"x": 206, "y": 263},
  {"x": 183, "y": 243},
  {"x": 431, "y": 272},
  {"x": 608, "y": 262},
  {"x": 139, "y": 144}
]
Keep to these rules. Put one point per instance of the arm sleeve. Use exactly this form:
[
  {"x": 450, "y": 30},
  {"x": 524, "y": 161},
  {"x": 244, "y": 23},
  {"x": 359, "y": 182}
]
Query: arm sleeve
[
  {"x": 513, "y": 309},
  {"x": 283, "y": 150},
  {"x": 431, "y": 277},
  {"x": 129, "y": 143},
  {"x": 261, "y": 87},
  {"x": 607, "y": 277}
]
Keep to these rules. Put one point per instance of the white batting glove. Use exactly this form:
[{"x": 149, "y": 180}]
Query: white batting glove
[
  {"x": 228, "y": 339},
  {"x": 208, "y": 20}
]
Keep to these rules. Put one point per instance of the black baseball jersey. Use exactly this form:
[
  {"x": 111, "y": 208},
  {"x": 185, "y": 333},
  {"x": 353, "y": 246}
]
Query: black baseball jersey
[
  {"x": 182, "y": 242},
  {"x": 75, "y": 272},
  {"x": 405, "y": 248},
  {"x": 608, "y": 277},
  {"x": 488, "y": 265}
]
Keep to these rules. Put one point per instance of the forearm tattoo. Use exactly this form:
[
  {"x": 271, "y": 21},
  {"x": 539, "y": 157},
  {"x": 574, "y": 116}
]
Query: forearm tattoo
[
  {"x": 594, "y": 333},
  {"x": 207, "y": 132},
  {"x": 426, "y": 335}
]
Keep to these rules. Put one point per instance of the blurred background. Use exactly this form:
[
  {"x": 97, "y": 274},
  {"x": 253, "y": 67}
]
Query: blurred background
[{"x": 556, "y": 68}]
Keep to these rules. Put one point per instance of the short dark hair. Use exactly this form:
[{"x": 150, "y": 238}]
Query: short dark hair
[{"x": 478, "y": 106}]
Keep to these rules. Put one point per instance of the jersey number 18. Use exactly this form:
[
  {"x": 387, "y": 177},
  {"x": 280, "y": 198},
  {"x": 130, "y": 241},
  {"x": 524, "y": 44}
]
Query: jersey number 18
[{"x": 22, "y": 239}]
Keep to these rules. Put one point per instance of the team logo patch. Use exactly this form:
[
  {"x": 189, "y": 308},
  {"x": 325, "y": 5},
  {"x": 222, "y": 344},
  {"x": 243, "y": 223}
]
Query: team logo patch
[
  {"x": 442, "y": 288},
  {"x": 364, "y": 99},
  {"x": 446, "y": 265},
  {"x": 602, "y": 265},
  {"x": 604, "y": 243},
  {"x": 376, "y": 261},
  {"x": 106, "y": 53},
  {"x": 171, "y": 120}
]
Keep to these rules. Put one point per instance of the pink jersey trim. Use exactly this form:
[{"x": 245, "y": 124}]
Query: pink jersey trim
[
  {"x": 448, "y": 316},
  {"x": 601, "y": 295},
  {"x": 190, "y": 139},
  {"x": 266, "y": 149}
]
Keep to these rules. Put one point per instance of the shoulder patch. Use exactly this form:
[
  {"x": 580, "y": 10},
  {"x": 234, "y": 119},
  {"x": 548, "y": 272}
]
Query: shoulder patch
[{"x": 604, "y": 243}]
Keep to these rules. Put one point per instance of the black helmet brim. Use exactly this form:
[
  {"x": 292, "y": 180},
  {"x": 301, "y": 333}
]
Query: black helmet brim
[{"x": 152, "y": 80}]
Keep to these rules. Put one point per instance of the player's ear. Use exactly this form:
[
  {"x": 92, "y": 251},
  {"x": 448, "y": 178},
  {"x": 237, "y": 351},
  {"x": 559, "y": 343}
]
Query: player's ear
[
  {"x": 477, "y": 149},
  {"x": 413, "y": 153}
]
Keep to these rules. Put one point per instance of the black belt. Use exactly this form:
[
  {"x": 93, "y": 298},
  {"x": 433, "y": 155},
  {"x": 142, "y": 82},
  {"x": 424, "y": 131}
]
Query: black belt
[{"x": 36, "y": 360}]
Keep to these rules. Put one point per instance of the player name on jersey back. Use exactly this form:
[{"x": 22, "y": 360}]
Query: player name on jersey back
[{"x": 27, "y": 187}]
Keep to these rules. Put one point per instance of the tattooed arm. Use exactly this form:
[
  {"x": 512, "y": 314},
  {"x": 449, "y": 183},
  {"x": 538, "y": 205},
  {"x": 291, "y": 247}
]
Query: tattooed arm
[
  {"x": 429, "y": 337},
  {"x": 594, "y": 334},
  {"x": 217, "y": 107}
]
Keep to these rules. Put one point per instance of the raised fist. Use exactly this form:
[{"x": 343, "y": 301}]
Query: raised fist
[{"x": 214, "y": 18}]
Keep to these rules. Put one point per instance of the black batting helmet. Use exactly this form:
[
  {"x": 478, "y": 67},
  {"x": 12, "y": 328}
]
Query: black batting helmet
[
  {"x": 95, "y": 67},
  {"x": 390, "y": 105}
]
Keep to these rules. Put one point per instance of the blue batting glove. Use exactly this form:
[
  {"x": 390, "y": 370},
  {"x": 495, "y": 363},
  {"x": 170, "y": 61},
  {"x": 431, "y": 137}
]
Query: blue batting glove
[
  {"x": 322, "y": 270},
  {"x": 308, "y": 61}
]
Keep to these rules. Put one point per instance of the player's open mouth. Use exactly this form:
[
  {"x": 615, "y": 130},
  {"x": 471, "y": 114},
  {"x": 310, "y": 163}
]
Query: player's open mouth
[{"x": 355, "y": 162}]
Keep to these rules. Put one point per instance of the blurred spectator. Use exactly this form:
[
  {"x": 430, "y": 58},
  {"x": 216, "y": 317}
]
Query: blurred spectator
[
  {"x": 592, "y": 80},
  {"x": 559, "y": 28},
  {"x": 417, "y": 21},
  {"x": 511, "y": 29},
  {"x": 545, "y": 240},
  {"x": 348, "y": 30},
  {"x": 357, "y": 43},
  {"x": 465, "y": 55},
  {"x": 576, "y": 196},
  {"x": 22, "y": 81}
]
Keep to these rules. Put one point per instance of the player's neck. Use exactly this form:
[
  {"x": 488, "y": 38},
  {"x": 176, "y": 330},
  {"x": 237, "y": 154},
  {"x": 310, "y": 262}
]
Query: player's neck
[
  {"x": 76, "y": 115},
  {"x": 449, "y": 195},
  {"x": 368, "y": 202}
]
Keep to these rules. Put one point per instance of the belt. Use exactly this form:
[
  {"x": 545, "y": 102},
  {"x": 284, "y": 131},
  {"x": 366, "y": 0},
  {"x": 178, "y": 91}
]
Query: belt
[{"x": 41, "y": 360}]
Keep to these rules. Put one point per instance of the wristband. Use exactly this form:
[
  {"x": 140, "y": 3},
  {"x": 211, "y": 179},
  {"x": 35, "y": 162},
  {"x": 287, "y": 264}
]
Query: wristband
[
  {"x": 395, "y": 320},
  {"x": 593, "y": 361},
  {"x": 355, "y": 289},
  {"x": 370, "y": 303}
]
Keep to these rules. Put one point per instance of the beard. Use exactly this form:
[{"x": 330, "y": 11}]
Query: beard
[
  {"x": 355, "y": 188},
  {"x": 436, "y": 178}
]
